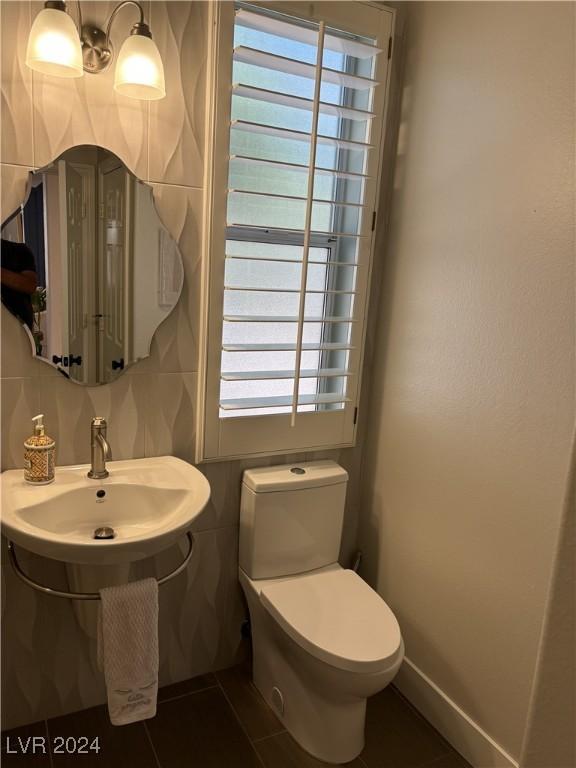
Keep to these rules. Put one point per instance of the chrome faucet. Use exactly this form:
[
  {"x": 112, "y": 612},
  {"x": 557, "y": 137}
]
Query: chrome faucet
[{"x": 99, "y": 449}]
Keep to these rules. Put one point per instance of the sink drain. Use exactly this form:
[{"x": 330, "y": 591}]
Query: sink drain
[{"x": 104, "y": 533}]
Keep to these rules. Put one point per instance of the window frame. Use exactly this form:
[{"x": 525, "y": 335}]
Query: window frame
[{"x": 257, "y": 435}]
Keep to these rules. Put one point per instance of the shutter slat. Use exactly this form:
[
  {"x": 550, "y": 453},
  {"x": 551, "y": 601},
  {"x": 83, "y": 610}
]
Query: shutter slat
[
  {"x": 253, "y": 288},
  {"x": 299, "y": 167},
  {"x": 315, "y": 201},
  {"x": 295, "y": 261},
  {"x": 305, "y": 34},
  {"x": 246, "y": 55},
  {"x": 281, "y": 401},
  {"x": 331, "y": 235},
  {"x": 285, "y": 319},
  {"x": 298, "y": 102},
  {"x": 290, "y": 133},
  {"x": 307, "y": 347},
  {"x": 311, "y": 373}
]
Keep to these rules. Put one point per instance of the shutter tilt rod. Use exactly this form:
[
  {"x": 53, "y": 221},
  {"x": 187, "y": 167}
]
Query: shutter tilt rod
[{"x": 308, "y": 223}]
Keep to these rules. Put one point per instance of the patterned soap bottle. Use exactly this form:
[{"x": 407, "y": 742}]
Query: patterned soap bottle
[{"x": 39, "y": 455}]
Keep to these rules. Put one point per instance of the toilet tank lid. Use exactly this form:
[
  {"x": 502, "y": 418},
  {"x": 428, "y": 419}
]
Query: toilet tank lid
[{"x": 296, "y": 476}]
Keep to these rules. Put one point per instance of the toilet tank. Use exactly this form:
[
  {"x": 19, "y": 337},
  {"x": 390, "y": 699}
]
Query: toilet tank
[{"x": 291, "y": 518}]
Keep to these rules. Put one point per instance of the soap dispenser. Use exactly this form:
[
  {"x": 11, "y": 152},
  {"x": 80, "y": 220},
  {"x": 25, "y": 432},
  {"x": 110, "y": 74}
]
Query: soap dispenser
[{"x": 39, "y": 455}]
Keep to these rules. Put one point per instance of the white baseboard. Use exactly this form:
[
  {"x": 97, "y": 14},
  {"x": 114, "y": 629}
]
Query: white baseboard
[{"x": 454, "y": 724}]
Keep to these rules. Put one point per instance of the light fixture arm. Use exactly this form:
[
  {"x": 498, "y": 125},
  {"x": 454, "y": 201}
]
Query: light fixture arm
[
  {"x": 140, "y": 28},
  {"x": 79, "y": 9},
  {"x": 96, "y": 44}
]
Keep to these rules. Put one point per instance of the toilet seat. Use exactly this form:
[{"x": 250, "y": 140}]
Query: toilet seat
[{"x": 337, "y": 617}]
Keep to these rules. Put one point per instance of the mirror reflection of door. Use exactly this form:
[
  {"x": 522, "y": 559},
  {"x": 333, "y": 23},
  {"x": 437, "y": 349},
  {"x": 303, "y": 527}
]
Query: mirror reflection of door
[
  {"x": 115, "y": 193},
  {"x": 74, "y": 242}
]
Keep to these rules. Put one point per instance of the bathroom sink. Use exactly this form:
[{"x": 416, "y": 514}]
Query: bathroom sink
[{"x": 147, "y": 503}]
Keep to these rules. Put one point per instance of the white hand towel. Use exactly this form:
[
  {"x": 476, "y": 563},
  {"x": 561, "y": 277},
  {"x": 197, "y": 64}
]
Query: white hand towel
[{"x": 128, "y": 649}]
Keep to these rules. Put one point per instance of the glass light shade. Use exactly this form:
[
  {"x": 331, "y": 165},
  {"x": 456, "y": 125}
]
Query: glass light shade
[
  {"x": 139, "y": 69},
  {"x": 54, "y": 45}
]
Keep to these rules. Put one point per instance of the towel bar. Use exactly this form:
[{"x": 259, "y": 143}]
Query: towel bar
[{"x": 88, "y": 595}]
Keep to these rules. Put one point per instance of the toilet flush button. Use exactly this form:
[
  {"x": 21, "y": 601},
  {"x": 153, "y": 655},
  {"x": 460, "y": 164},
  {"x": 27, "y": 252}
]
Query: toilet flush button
[{"x": 298, "y": 471}]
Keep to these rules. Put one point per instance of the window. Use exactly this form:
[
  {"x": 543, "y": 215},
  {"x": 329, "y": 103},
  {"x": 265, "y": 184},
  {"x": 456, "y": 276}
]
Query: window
[{"x": 295, "y": 164}]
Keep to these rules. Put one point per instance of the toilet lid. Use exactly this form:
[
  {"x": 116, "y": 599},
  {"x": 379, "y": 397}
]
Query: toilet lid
[{"x": 337, "y": 617}]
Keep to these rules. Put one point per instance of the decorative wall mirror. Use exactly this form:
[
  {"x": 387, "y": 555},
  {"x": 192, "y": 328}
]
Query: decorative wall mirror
[{"x": 88, "y": 267}]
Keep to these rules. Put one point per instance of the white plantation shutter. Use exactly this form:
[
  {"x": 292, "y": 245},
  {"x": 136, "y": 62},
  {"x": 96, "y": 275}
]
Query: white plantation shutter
[{"x": 303, "y": 113}]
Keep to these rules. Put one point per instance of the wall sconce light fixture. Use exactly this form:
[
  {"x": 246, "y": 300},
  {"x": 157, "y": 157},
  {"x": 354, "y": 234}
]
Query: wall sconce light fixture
[{"x": 57, "y": 47}]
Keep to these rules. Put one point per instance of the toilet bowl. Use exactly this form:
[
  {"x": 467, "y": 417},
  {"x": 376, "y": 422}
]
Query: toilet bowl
[
  {"x": 323, "y": 640},
  {"x": 316, "y": 661}
]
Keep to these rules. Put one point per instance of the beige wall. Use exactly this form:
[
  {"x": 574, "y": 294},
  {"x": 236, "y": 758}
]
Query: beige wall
[
  {"x": 48, "y": 664},
  {"x": 471, "y": 404}
]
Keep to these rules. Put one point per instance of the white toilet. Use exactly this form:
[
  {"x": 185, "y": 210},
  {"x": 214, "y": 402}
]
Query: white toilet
[{"x": 323, "y": 640}]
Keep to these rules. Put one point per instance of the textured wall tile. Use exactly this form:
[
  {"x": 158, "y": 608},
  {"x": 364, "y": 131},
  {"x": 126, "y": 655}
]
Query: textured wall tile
[
  {"x": 171, "y": 419},
  {"x": 49, "y": 665},
  {"x": 16, "y": 77},
  {"x": 225, "y": 478},
  {"x": 193, "y": 606},
  {"x": 14, "y": 179},
  {"x": 87, "y": 110},
  {"x": 177, "y": 121},
  {"x": 175, "y": 344},
  {"x": 20, "y": 402},
  {"x": 232, "y": 649},
  {"x": 223, "y": 508},
  {"x": 69, "y": 408},
  {"x": 17, "y": 351}
]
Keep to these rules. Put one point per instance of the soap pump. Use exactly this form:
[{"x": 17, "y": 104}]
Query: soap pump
[{"x": 39, "y": 455}]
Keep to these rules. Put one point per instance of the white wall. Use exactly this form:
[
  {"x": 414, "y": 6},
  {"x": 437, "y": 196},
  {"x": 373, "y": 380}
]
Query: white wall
[
  {"x": 471, "y": 403},
  {"x": 147, "y": 314}
]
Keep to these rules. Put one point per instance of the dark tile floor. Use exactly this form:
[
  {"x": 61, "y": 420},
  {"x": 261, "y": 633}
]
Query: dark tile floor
[{"x": 220, "y": 721}]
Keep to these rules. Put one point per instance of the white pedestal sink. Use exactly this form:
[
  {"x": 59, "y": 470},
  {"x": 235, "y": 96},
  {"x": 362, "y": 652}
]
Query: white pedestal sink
[{"x": 148, "y": 503}]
